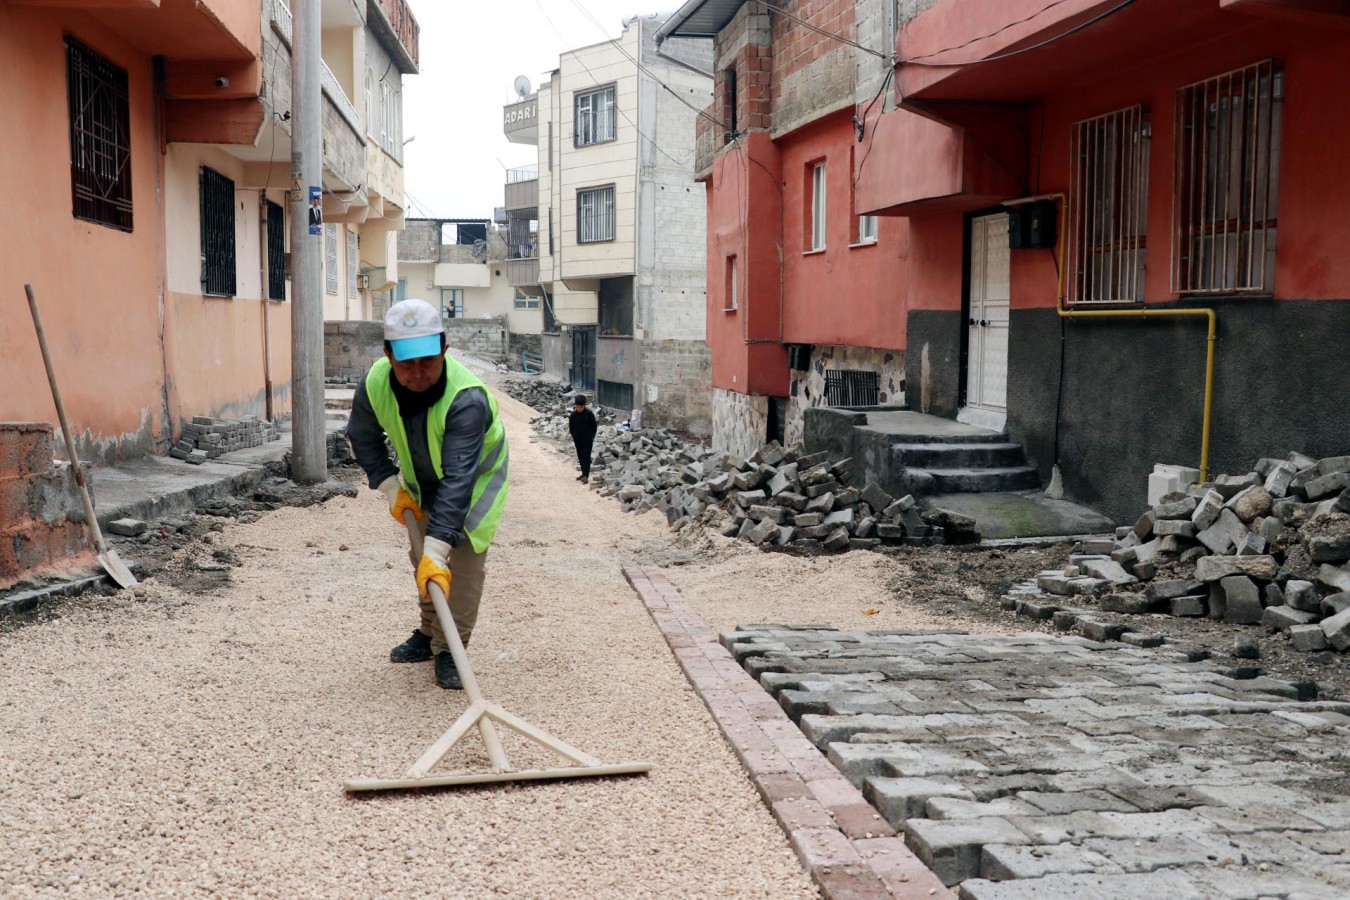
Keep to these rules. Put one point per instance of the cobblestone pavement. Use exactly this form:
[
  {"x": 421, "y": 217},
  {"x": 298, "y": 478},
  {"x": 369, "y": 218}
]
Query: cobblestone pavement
[{"x": 1033, "y": 766}]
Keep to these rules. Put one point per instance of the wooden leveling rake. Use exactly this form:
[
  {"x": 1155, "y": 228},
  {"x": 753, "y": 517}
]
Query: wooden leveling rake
[{"x": 486, "y": 715}]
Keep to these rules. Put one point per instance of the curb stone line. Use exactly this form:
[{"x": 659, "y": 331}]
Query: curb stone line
[{"x": 845, "y": 845}]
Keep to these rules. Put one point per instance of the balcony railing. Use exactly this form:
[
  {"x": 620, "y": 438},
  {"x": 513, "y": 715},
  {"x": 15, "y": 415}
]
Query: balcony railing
[
  {"x": 522, "y": 173},
  {"x": 522, "y": 272}
]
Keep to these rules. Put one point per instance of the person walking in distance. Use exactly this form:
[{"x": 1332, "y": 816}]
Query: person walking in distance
[
  {"x": 451, "y": 469},
  {"x": 582, "y": 426}
]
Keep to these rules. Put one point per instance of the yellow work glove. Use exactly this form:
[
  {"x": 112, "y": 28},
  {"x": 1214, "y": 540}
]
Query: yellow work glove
[
  {"x": 399, "y": 499},
  {"x": 434, "y": 568}
]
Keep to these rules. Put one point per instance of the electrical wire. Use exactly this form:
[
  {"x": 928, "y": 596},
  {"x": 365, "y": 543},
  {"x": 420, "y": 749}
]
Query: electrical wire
[
  {"x": 918, "y": 60},
  {"x": 829, "y": 34},
  {"x": 861, "y": 123}
]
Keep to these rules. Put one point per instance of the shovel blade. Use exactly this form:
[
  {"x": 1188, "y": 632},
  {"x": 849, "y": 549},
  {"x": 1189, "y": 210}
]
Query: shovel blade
[{"x": 116, "y": 569}]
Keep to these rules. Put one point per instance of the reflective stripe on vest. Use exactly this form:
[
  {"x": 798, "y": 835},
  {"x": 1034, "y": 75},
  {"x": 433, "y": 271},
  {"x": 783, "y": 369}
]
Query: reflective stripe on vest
[{"x": 493, "y": 476}]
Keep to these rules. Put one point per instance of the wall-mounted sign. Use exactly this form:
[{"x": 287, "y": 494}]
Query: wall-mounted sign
[
  {"x": 315, "y": 210},
  {"x": 522, "y": 115}
]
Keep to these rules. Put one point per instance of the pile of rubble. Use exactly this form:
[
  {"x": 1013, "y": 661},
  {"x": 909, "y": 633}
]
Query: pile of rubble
[
  {"x": 776, "y": 497},
  {"x": 207, "y": 438},
  {"x": 1269, "y": 547}
]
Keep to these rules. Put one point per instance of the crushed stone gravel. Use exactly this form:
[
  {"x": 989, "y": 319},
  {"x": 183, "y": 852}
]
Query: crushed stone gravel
[{"x": 193, "y": 743}]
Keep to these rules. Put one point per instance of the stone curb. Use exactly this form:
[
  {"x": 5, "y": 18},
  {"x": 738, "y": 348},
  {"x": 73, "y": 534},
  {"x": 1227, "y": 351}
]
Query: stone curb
[{"x": 845, "y": 845}]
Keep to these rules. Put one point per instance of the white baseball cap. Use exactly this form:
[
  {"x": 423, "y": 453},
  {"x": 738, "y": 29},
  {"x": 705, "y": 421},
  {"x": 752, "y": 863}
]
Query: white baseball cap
[{"x": 413, "y": 329}]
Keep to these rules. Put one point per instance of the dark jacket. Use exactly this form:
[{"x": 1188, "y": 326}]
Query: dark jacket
[{"x": 582, "y": 427}]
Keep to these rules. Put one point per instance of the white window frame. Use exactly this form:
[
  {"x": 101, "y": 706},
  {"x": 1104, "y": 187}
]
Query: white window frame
[
  {"x": 733, "y": 289},
  {"x": 595, "y": 215},
  {"x": 389, "y": 120},
  {"x": 1225, "y": 193},
  {"x": 330, "y": 252},
  {"x": 819, "y": 191},
  {"x": 452, "y": 303},
  {"x": 1108, "y": 207},
  {"x": 595, "y": 116},
  {"x": 524, "y": 302},
  {"x": 867, "y": 230}
]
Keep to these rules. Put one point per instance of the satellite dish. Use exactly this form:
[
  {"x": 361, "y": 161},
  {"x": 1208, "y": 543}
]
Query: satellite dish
[{"x": 522, "y": 86}]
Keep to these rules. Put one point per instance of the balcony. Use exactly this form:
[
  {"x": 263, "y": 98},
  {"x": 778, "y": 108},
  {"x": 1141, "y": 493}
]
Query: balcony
[
  {"x": 523, "y": 272},
  {"x": 522, "y": 190},
  {"x": 397, "y": 28},
  {"x": 520, "y": 121}
]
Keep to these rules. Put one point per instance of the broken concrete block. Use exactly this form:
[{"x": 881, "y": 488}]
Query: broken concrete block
[
  {"x": 1176, "y": 509},
  {"x": 1130, "y": 604},
  {"x": 1193, "y": 553},
  {"x": 1338, "y": 579},
  {"x": 1251, "y": 545},
  {"x": 1271, "y": 529},
  {"x": 790, "y": 500},
  {"x": 1229, "y": 486},
  {"x": 1282, "y": 618},
  {"x": 825, "y": 487},
  {"x": 822, "y": 503},
  {"x": 839, "y": 517},
  {"x": 1106, "y": 569},
  {"x": 1277, "y": 482},
  {"x": 1213, "y": 568},
  {"x": 1143, "y": 529},
  {"x": 807, "y": 520},
  {"x": 744, "y": 499},
  {"x": 837, "y": 540},
  {"x": 1327, "y": 537},
  {"x": 846, "y": 497},
  {"x": 1171, "y": 545},
  {"x": 127, "y": 527},
  {"x": 1302, "y": 595},
  {"x": 890, "y": 532},
  {"x": 1250, "y": 503},
  {"x": 785, "y": 535},
  {"x": 1327, "y": 485},
  {"x": 899, "y": 507},
  {"x": 1308, "y": 638},
  {"x": 1171, "y": 589},
  {"x": 1188, "y": 606},
  {"x": 777, "y": 485},
  {"x": 763, "y": 531},
  {"x": 1145, "y": 553},
  {"x": 1337, "y": 630},
  {"x": 1242, "y": 600},
  {"x": 1175, "y": 527},
  {"x": 775, "y": 514},
  {"x": 865, "y": 527},
  {"x": 1223, "y": 535},
  {"x": 875, "y": 497}
]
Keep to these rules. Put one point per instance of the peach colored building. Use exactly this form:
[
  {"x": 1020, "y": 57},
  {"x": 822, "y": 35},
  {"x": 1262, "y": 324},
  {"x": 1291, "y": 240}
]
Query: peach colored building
[{"x": 155, "y": 158}]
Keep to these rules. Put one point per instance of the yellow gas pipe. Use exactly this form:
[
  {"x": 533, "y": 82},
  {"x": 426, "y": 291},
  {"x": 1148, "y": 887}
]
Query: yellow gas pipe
[{"x": 1209, "y": 314}]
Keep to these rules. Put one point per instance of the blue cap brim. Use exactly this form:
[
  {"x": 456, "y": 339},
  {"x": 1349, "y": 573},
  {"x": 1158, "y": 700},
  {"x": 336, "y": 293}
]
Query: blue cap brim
[{"x": 412, "y": 348}]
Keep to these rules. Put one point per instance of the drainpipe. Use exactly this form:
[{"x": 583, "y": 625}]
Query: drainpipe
[
  {"x": 1208, "y": 314},
  {"x": 264, "y": 294}
]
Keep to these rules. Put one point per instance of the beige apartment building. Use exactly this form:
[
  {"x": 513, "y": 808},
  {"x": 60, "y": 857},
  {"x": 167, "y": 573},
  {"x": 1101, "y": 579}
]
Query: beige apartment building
[{"x": 607, "y": 228}]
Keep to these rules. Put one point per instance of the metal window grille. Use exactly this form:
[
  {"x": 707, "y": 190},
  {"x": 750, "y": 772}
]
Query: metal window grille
[
  {"x": 352, "y": 254},
  {"x": 595, "y": 215},
  {"x": 614, "y": 394},
  {"x": 1224, "y": 208},
  {"x": 818, "y": 206},
  {"x": 847, "y": 387},
  {"x": 330, "y": 268},
  {"x": 595, "y": 117},
  {"x": 217, "y": 214},
  {"x": 1108, "y": 207},
  {"x": 276, "y": 251},
  {"x": 100, "y": 138}
]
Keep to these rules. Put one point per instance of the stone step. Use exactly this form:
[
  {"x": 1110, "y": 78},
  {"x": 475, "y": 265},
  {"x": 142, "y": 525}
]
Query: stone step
[
  {"x": 959, "y": 456},
  {"x": 983, "y": 481},
  {"x": 976, "y": 436}
]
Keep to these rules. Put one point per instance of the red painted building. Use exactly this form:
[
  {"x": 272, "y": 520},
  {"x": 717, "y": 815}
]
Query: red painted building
[{"x": 1131, "y": 157}]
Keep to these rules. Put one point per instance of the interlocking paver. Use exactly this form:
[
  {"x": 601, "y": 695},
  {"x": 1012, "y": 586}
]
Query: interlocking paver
[{"x": 1118, "y": 771}]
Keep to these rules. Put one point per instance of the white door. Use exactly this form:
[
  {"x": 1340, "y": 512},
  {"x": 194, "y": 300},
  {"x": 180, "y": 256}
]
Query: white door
[{"x": 987, "y": 372}]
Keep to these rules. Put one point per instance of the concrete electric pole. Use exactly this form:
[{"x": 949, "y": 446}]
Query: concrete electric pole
[{"x": 309, "y": 456}]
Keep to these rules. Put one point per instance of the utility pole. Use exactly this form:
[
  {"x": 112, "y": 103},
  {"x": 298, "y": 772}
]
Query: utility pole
[{"x": 309, "y": 450}]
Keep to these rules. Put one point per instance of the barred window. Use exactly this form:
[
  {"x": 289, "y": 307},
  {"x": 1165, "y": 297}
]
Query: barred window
[
  {"x": 1227, "y": 182},
  {"x": 276, "y": 251},
  {"x": 850, "y": 387},
  {"x": 97, "y": 96},
  {"x": 330, "y": 268},
  {"x": 614, "y": 394},
  {"x": 352, "y": 254},
  {"x": 595, "y": 215},
  {"x": 1108, "y": 207},
  {"x": 217, "y": 215},
  {"x": 595, "y": 112}
]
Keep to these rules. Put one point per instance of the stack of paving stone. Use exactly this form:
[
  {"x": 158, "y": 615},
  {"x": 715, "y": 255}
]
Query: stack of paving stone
[
  {"x": 1269, "y": 547},
  {"x": 206, "y": 437},
  {"x": 545, "y": 396}
]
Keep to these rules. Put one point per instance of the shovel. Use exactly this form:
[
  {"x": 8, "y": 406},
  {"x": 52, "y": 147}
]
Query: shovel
[{"x": 107, "y": 557}]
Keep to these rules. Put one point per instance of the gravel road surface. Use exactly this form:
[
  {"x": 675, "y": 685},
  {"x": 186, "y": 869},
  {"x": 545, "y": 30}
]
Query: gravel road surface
[{"x": 193, "y": 743}]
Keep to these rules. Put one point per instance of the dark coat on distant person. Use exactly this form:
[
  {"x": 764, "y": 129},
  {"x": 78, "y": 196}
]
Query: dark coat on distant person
[{"x": 581, "y": 425}]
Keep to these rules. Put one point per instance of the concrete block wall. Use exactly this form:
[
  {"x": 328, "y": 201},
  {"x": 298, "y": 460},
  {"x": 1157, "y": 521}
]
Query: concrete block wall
[
  {"x": 740, "y": 422},
  {"x": 677, "y": 386},
  {"x": 419, "y": 241},
  {"x": 807, "y": 389},
  {"x": 41, "y": 514}
]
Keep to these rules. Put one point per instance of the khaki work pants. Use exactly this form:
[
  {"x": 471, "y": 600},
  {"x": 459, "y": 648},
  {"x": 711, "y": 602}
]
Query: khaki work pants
[{"x": 467, "y": 570}]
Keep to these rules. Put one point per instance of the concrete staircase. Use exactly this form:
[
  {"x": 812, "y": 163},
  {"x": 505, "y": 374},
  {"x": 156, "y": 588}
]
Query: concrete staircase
[{"x": 980, "y": 462}]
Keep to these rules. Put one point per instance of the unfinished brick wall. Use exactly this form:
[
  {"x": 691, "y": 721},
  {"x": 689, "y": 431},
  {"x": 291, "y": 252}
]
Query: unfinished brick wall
[
  {"x": 41, "y": 515},
  {"x": 350, "y": 348}
]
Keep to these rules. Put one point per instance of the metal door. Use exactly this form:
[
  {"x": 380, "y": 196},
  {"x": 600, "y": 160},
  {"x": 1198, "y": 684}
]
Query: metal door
[
  {"x": 583, "y": 358},
  {"x": 987, "y": 326}
]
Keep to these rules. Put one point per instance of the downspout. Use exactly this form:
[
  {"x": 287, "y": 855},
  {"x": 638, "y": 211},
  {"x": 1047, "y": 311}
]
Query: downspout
[
  {"x": 1064, "y": 313},
  {"x": 265, "y": 295}
]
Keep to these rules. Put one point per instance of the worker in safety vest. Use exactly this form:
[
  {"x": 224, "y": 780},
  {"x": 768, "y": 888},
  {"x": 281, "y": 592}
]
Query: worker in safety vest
[{"x": 451, "y": 470}]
